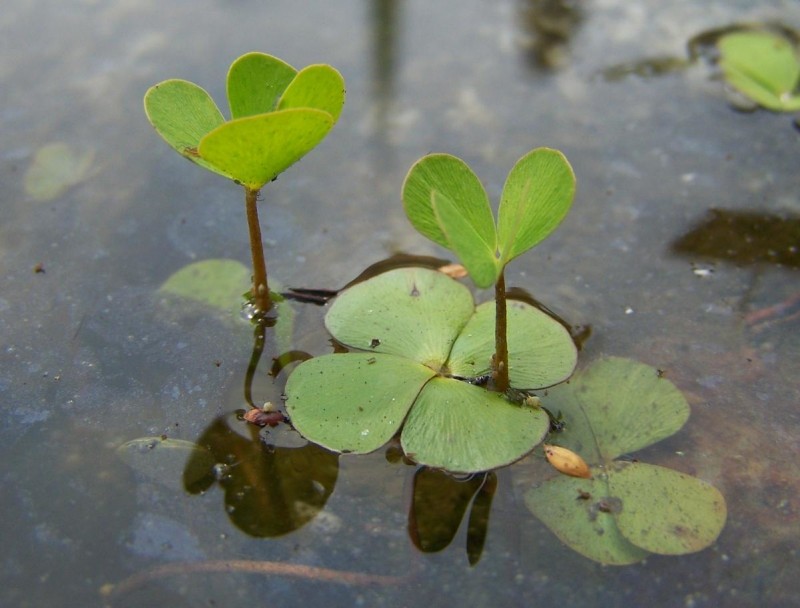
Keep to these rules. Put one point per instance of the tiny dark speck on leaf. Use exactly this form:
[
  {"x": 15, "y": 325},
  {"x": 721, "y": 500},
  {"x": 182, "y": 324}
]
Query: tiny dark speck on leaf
[
  {"x": 414, "y": 291},
  {"x": 374, "y": 343}
]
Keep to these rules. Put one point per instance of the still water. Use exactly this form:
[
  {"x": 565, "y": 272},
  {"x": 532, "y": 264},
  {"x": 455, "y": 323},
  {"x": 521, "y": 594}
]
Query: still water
[{"x": 680, "y": 251}]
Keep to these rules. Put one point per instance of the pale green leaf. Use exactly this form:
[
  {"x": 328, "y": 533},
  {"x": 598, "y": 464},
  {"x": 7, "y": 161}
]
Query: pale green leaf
[
  {"x": 55, "y": 168},
  {"x": 541, "y": 352},
  {"x": 466, "y": 429},
  {"x": 413, "y": 312},
  {"x": 353, "y": 402}
]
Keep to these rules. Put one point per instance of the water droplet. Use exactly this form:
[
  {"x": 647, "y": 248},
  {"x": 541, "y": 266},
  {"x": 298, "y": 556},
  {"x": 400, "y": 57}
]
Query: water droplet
[{"x": 365, "y": 432}]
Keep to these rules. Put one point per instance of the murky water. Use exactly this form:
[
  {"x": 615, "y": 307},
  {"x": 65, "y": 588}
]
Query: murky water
[{"x": 680, "y": 251}]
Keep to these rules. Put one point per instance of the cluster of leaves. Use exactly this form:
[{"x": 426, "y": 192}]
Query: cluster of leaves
[
  {"x": 446, "y": 202},
  {"x": 420, "y": 335},
  {"x": 628, "y": 509},
  {"x": 278, "y": 114}
]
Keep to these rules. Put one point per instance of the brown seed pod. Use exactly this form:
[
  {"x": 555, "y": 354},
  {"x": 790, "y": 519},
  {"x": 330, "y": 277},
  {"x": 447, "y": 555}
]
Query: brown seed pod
[{"x": 566, "y": 461}]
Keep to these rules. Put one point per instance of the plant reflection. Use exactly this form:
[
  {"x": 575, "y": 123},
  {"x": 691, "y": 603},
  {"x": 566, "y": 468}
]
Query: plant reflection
[
  {"x": 551, "y": 24},
  {"x": 438, "y": 506},
  {"x": 269, "y": 490}
]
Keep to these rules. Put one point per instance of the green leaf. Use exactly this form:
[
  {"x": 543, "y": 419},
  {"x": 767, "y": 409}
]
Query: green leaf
[
  {"x": 320, "y": 87},
  {"x": 255, "y": 149},
  {"x": 536, "y": 197},
  {"x": 183, "y": 113},
  {"x": 55, "y": 168},
  {"x": 255, "y": 83},
  {"x": 477, "y": 256},
  {"x": 353, "y": 402},
  {"x": 541, "y": 352},
  {"x": 763, "y": 66},
  {"x": 466, "y": 429},
  {"x": 665, "y": 511},
  {"x": 450, "y": 177},
  {"x": 617, "y": 406},
  {"x": 569, "y": 507},
  {"x": 412, "y": 312}
]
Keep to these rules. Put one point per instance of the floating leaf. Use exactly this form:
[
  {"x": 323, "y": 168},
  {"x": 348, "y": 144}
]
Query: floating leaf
[
  {"x": 536, "y": 198},
  {"x": 464, "y": 428},
  {"x": 55, "y": 168},
  {"x": 541, "y": 352},
  {"x": 409, "y": 318},
  {"x": 626, "y": 509},
  {"x": 412, "y": 312},
  {"x": 353, "y": 402},
  {"x": 763, "y": 66}
]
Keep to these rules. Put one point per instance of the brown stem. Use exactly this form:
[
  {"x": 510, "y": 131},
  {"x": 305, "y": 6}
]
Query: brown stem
[
  {"x": 500, "y": 336},
  {"x": 261, "y": 299}
]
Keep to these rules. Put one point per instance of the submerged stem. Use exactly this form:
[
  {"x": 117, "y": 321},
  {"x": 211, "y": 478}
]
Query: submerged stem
[
  {"x": 261, "y": 299},
  {"x": 500, "y": 336}
]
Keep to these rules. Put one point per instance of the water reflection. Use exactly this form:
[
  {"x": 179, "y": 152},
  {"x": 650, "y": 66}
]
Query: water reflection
[
  {"x": 438, "y": 506},
  {"x": 269, "y": 490},
  {"x": 551, "y": 24}
]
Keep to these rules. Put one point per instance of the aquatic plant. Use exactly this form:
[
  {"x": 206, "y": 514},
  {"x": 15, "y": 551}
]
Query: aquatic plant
[
  {"x": 627, "y": 509},
  {"x": 763, "y": 66},
  {"x": 446, "y": 202},
  {"x": 424, "y": 348},
  {"x": 278, "y": 115}
]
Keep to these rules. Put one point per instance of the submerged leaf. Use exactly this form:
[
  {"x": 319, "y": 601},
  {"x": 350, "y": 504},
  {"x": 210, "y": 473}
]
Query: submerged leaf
[
  {"x": 56, "y": 167},
  {"x": 216, "y": 283},
  {"x": 166, "y": 461},
  {"x": 466, "y": 429},
  {"x": 665, "y": 511},
  {"x": 617, "y": 406},
  {"x": 570, "y": 508}
]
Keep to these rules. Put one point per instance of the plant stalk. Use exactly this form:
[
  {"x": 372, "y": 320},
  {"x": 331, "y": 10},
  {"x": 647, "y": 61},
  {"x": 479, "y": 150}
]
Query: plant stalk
[
  {"x": 261, "y": 299},
  {"x": 500, "y": 374}
]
